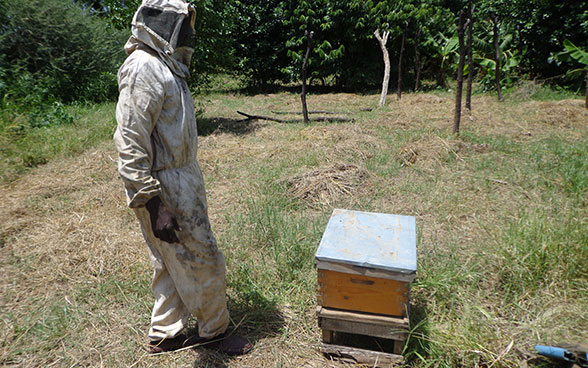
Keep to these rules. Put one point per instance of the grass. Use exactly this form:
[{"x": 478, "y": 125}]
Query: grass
[
  {"x": 501, "y": 212},
  {"x": 74, "y": 130}
]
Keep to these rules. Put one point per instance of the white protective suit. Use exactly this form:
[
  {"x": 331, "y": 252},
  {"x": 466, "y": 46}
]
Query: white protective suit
[{"x": 156, "y": 138}]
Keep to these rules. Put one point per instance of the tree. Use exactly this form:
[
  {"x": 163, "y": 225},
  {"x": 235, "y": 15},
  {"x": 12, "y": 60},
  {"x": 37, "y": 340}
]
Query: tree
[
  {"x": 397, "y": 18},
  {"x": 495, "y": 75},
  {"x": 323, "y": 17},
  {"x": 120, "y": 12},
  {"x": 495, "y": 36},
  {"x": 213, "y": 51},
  {"x": 304, "y": 67},
  {"x": 579, "y": 55},
  {"x": 259, "y": 39},
  {"x": 383, "y": 18},
  {"x": 64, "y": 52},
  {"x": 213, "y": 48},
  {"x": 541, "y": 26},
  {"x": 458, "y": 90},
  {"x": 417, "y": 55},
  {"x": 470, "y": 54},
  {"x": 401, "y": 54},
  {"x": 445, "y": 48},
  {"x": 382, "y": 40}
]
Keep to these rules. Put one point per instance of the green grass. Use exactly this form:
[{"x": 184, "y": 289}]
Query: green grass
[
  {"x": 502, "y": 232},
  {"x": 25, "y": 147}
]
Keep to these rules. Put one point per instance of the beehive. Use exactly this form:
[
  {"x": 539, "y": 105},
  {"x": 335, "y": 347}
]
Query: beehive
[{"x": 366, "y": 262}]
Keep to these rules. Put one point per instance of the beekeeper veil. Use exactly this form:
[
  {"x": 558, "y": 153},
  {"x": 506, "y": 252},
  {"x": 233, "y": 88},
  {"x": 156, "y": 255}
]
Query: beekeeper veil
[{"x": 166, "y": 26}]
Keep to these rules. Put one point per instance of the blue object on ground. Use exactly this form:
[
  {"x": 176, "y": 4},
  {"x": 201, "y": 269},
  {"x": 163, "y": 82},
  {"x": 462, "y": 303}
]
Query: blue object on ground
[{"x": 556, "y": 353}]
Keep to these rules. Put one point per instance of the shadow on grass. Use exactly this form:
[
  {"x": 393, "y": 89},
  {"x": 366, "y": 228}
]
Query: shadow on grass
[
  {"x": 415, "y": 347},
  {"x": 291, "y": 88},
  {"x": 207, "y": 126},
  {"x": 418, "y": 345},
  {"x": 421, "y": 350},
  {"x": 317, "y": 88},
  {"x": 254, "y": 318}
]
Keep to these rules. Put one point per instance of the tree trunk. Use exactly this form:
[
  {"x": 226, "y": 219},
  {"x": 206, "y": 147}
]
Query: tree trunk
[
  {"x": 468, "y": 103},
  {"x": 497, "y": 56},
  {"x": 441, "y": 82},
  {"x": 382, "y": 41},
  {"x": 417, "y": 55},
  {"x": 304, "y": 66},
  {"x": 586, "y": 89},
  {"x": 459, "y": 88},
  {"x": 399, "y": 90}
]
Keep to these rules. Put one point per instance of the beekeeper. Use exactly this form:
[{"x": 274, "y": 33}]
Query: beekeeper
[{"x": 156, "y": 138}]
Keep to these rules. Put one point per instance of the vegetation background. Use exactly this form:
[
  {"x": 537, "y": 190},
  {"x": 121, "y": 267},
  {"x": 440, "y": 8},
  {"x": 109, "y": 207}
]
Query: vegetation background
[{"x": 501, "y": 208}]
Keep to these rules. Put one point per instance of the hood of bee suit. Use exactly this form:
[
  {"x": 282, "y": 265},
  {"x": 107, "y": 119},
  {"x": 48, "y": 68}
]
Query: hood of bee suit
[{"x": 166, "y": 26}]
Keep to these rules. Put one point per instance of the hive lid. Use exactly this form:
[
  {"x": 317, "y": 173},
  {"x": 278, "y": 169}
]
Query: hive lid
[{"x": 370, "y": 240}]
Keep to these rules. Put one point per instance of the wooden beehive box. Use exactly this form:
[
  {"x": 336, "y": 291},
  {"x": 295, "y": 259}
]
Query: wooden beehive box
[{"x": 366, "y": 262}]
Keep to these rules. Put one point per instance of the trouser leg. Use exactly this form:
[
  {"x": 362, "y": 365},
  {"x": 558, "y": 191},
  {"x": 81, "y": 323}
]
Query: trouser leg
[
  {"x": 189, "y": 278},
  {"x": 169, "y": 314}
]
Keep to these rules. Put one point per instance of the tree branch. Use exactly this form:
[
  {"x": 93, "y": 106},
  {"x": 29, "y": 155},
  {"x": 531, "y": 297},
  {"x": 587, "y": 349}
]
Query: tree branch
[{"x": 320, "y": 118}]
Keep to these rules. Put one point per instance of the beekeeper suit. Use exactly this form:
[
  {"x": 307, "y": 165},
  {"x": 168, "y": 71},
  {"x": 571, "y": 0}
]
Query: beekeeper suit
[{"x": 156, "y": 138}]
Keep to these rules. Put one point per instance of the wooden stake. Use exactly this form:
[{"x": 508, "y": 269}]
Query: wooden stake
[{"x": 304, "y": 67}]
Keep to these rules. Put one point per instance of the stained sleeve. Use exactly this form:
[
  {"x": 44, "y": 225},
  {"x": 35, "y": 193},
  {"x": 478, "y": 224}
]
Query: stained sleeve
[{"x": 141, "y": 96}]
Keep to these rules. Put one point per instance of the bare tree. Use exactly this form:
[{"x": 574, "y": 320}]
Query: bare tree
[
  {"x": 399, "y": 90},
  {"x": 468, "y": 103},
  {"x": 459, "y": 88},
  {"x": 304, "y": 68},
  {"x": 494, "y": 18},
  {"x": 382, "y": 42},
  {"x": 417, "y": 55}
]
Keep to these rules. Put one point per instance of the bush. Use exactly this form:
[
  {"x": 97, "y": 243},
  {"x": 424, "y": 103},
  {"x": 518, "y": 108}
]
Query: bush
[{"x": 59, "y": 49}]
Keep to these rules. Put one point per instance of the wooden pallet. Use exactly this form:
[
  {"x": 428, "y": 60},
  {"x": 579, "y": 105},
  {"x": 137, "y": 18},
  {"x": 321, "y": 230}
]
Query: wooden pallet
[{"x": 333, "y": 320}]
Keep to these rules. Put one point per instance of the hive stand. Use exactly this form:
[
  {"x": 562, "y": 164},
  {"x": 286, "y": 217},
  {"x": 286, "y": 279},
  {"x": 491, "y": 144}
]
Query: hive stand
[{"x": 365, "y": 263}]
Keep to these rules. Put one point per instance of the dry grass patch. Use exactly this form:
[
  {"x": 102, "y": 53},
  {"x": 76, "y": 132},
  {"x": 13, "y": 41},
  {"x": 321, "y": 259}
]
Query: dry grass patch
[
  {"x": 321, "y": 187},
  {"x": 561, "y": 114},
  {"x": 429, "y": 150},
  {"x": 76, "y": 291}
]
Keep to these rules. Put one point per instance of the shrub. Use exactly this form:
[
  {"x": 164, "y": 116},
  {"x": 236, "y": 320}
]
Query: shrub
[{"x": 59, "y": 48}]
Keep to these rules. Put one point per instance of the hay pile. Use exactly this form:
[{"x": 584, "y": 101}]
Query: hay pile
[
  {"x": 433, "y": 149},
  {"x": 322, "y": 186},
  {"x": 564, "y": 113}
]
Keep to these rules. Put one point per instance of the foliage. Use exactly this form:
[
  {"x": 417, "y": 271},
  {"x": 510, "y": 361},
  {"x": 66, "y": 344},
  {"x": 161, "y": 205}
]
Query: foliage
[
  {"x": 326, "y": 20},
  {"x": 259, "y": 38},
  {"x": 214, "y": 45},
  {"x": 542, "y": 26},
  {"x": 571, "y": 52},
  {"x": 120, "y": 12},
  {"x": 77, "y": 55},
  {"x": 47, "y": 115},
  {"x": 213, "y": 50},
  {"x": 445, "y": 53},
  {"x": 508, "y": 63},
  {"x": 59, "y": 46},
  {"x": 576, "y": 53}
]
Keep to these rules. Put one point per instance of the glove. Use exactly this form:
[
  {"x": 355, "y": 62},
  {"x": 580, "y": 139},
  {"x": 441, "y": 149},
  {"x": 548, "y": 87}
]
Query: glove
[{"x": 163, "y": 222}]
